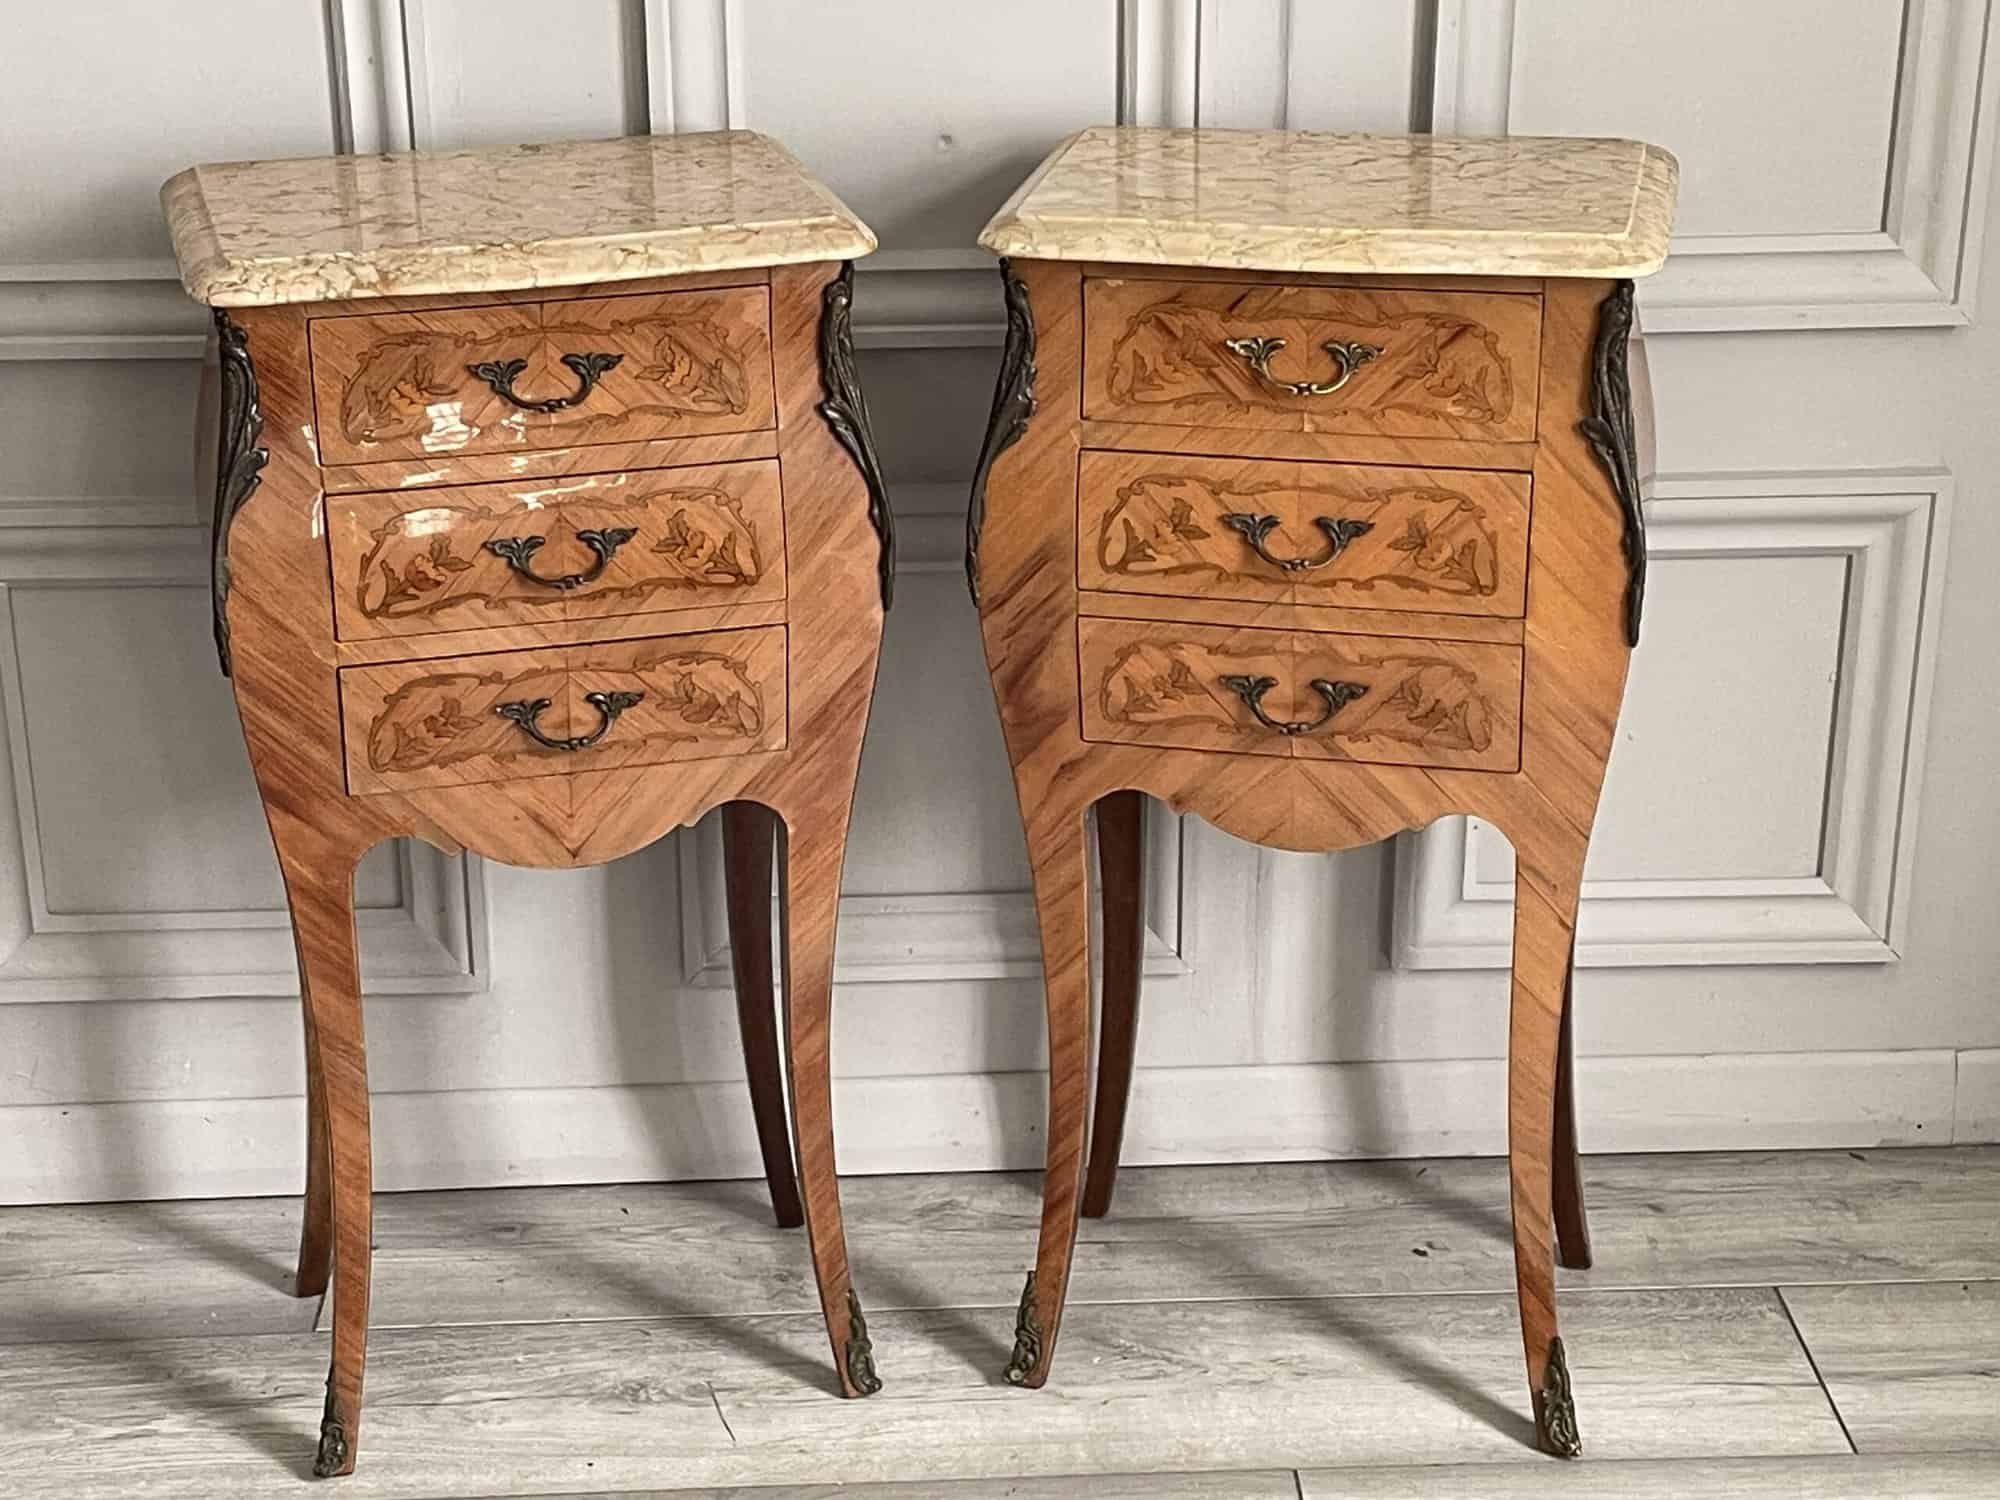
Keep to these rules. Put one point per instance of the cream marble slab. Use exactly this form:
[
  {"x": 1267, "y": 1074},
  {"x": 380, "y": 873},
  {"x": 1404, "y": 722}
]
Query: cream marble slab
[
  {"x": 499, "y": 218},
  {"x": 1277, "y": 200}
]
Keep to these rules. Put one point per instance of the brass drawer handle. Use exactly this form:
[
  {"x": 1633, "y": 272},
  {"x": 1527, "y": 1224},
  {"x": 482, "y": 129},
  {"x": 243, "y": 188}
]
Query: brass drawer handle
[
  {"x": 501, "y": 374},
  {"x": 520, "y": 553},
  {"x": 1257, "y": 530},
  {"x": 608, "y": 705},
  {"x": 1256, "y": 351},
  {"x": 1252, "y": 690}
]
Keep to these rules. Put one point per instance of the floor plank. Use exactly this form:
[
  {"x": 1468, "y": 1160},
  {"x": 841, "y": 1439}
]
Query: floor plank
[
  {"x": 536, "y": 1408},
  {"x": 1269, "y": 1485},
  {"x": 1912, "y": 1368},
  {"x": 1831, "y": 1478},
  {"x": 150, "y": 1270},
  {"x": 1184, "y": 1233}
]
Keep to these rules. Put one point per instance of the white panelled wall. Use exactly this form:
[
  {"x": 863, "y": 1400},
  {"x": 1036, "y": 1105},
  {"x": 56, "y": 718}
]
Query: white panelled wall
[{"x": 1774, "y": 950}]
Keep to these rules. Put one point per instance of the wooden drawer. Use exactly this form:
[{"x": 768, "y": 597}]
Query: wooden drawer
[
  {"x": 559, "y": 549},
  {"x": 491, "y": 379},
  {"x": 1385, "y": 699},
  {"x": 1455, "y": 365},
  {"x": 516, "y": 714},
  {"x": 1439, "y": 541}
]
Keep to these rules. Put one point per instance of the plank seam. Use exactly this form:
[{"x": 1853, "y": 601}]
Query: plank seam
[{"x": 1813, "y": 1364}]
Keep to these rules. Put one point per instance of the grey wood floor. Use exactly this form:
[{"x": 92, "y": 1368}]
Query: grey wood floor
[{"x": 1795, "y": 1324}]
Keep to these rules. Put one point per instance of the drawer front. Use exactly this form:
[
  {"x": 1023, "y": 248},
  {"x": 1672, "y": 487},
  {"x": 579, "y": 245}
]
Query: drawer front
[
  {"x": 1383, "y": 699},
  {"x": 1452, "y": 365},
  {"x": 513, "y": 715},
  {"x": 1439, "y": 541},
  {"x": 493, "y": 379},
  {"x": 561, "y": 549}
]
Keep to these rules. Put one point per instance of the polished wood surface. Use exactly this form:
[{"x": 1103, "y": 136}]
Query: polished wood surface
[
  {"x": 1292, "y": 533},
  {"x": 1440, "y": 364},
  {"x": 1558, "y": 700},
  {"x": 443, "y": 470},
  {"x": 1415, "y": 702},
  {"x": 776, "y": 712},
  {"x": 591, "y": 546},
  {"x": 469, "y": 720},
  {"x": 749, "y": 841},
  {"x": 1121, "y": 860},
  {"x": 668, "y": 364}
]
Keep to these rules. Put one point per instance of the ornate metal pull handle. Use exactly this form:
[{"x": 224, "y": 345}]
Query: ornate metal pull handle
[
  {"x": 609, "y": 706},
  {"x": 1257, "y": 530},
  {"x": 501, "y": 374},
  {"x": 1252, "y": 690},
  {"x": 520, "y": 554},
  {"x": 1257, "y": 350}
]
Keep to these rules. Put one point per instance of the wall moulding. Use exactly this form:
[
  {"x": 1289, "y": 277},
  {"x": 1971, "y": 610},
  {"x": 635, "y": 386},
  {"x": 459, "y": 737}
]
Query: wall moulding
[
  {"x": 429, "y": 939},
  {"x": 1918, "y": 268},
  {"x": 1890, "y": 529}
]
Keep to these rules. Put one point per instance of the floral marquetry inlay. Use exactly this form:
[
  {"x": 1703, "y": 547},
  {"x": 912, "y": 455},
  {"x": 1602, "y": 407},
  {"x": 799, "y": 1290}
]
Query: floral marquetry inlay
[
  {"x": 1405, "y": 539},
  {"x": 531, "y": 375},
  {"x": 607, "y": 545},
  {"x": 1312, "y": 359},
  {"x": 1268, "y": 692},
  {"x": 545, "y": 712}
]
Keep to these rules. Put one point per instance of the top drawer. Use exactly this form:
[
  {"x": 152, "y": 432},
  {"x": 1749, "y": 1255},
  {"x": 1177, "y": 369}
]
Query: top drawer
[
  {"x": 542, "y": 374},
  {"x": 1409, "y": 364}
]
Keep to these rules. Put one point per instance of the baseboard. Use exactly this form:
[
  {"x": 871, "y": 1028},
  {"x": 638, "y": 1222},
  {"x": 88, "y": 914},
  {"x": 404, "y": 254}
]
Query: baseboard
[{"x": 973, "y": 1122}]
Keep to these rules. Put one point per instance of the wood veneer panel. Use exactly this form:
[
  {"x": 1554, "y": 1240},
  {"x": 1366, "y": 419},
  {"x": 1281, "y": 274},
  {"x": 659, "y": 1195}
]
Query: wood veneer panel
[
  {"x": 402, "y": 385},
  {"x": 1320, "y": 534},
  {"x": 1418, "y": 702},
  {"x": 438, "y": 470},
  {"x": 600, "y": 545},
  {"x": 1448, "y": 364},
  {"x": 438, "y": 723}
]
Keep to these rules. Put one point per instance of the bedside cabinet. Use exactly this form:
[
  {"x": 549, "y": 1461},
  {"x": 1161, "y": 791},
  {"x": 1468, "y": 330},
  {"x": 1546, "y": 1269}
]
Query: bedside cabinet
[
  {"x": 547, "y": 519},
  {"x": 1310, "y": 505}
]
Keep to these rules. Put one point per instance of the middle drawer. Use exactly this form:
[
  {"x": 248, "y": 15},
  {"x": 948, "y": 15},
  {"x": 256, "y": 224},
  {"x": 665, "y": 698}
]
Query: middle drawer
[
  {"x": 510, "y": 715},
  {"x": 560, "y": 549},
  {"x": 1445, "y": 541}
]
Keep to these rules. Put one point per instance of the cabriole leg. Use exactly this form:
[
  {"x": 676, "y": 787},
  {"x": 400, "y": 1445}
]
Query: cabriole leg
[
  {"x": 1056, "y": 852},
  {"x": 1572, "y": 1223},
  {"x": 813, "y": 845},
  {"x": 1121, "y": 858},
  {"x": 1545, "y": 900},
  {"x": 749, "y": 834},
  {"x": 319, "y": 884}
]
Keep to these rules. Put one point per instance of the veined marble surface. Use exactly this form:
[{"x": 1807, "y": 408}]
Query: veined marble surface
[
  {"x": 499, "y": 218},
  {"x": 1281, "y": 200}
]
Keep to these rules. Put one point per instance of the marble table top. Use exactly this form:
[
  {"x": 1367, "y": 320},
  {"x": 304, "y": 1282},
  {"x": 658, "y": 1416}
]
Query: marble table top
[
  {"x": 1282, "y": 200},
  {"x": 499, "y": 218}
]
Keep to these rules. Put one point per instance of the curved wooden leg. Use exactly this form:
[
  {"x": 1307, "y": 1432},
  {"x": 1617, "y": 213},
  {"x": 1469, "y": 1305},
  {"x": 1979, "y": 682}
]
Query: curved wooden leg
[
  {"x": 1056, "y": 851},
  {"x": 316, "y": 1225},
  {"x": 1545, "y": 898},
  {"x": 1121, "y": 858},
  {"x": 812, "y": 847},
  {"x": 1572, "y": 1223},
  {"x": 319, "y": 884},
  {"x": 749, "y": 834}
]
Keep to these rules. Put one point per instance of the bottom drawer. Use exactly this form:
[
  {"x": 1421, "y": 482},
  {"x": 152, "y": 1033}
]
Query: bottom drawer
[
  {"x": 1386, "y": 699},
  {"x": 549, "y": 712}
]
